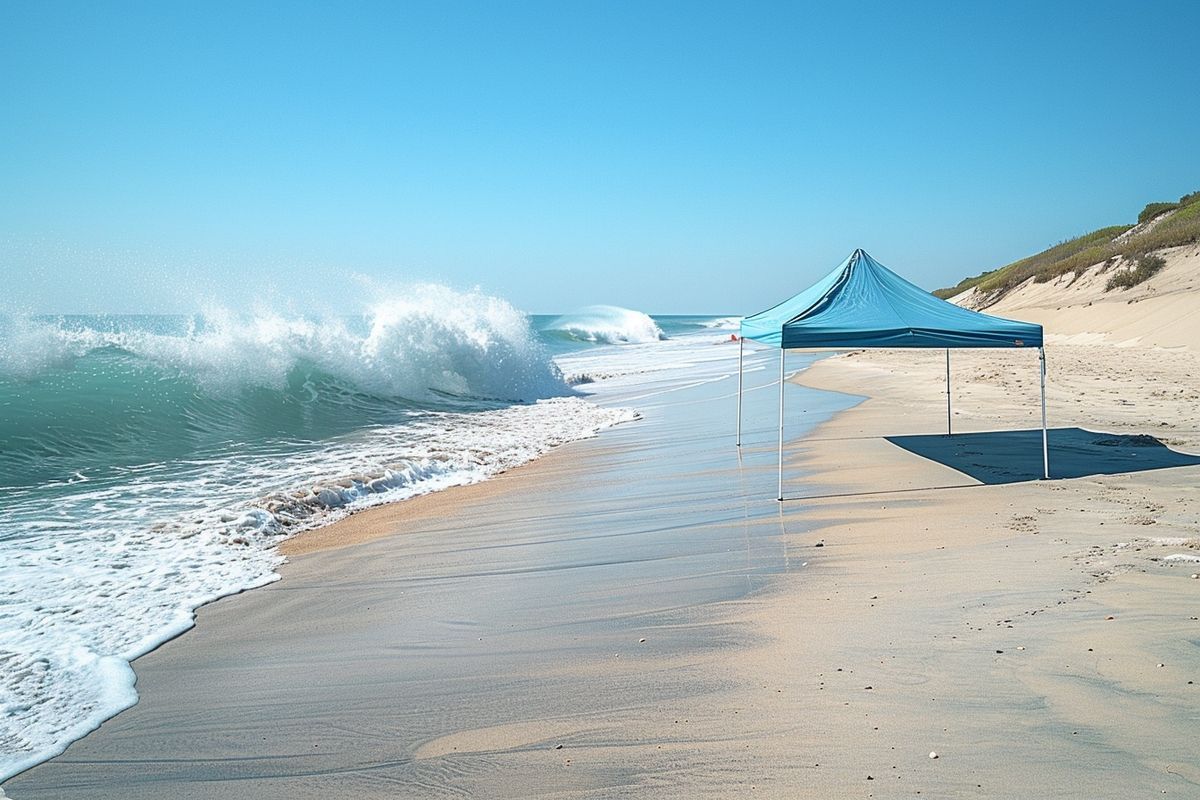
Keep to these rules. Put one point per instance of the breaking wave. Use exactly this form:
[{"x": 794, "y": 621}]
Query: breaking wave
[
  {"x": 607, "y": 325},
  {"x": 80, "y": 393}
]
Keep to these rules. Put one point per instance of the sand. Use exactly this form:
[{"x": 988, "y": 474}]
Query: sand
[
  {"x": 636, "y": 616},
  {"x": 1014, "y": 629}
]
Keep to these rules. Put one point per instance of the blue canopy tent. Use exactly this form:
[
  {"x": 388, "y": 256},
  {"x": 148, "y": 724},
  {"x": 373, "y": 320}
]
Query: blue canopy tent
[{"x": 863, "y": 304}]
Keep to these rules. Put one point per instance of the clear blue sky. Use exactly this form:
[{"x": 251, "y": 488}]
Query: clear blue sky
[{"x": 671, "y": 157}]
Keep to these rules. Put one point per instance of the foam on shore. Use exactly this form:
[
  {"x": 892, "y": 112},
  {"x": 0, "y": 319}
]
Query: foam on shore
[{"x": 152, "y": 465}]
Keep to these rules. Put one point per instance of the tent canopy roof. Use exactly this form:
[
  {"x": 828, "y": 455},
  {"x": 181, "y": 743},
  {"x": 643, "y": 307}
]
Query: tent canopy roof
[{"x": 864, "y": 304}]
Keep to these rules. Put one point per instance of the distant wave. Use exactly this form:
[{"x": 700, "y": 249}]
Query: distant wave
[
  {"x": 724, "y": 323},
  {"x": 607, "y": 325}
]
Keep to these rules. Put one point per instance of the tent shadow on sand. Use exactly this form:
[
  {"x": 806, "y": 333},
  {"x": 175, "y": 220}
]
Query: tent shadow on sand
[{"x": 1013, "y": 456}]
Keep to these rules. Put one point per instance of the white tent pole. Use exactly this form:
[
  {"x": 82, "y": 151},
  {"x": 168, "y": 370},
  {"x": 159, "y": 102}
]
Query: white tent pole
[
  {"x": 1045, "y": 443},
  {"x": 782, "y": 350},
  {"x": 741, "y": 349},
  {"x": 948, "y": 431}
]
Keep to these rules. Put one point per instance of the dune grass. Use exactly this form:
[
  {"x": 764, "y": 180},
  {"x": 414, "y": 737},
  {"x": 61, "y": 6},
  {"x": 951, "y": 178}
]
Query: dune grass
[
  {"x": 1144, "y": 268},
  {"x": 1075, "y": 255}
]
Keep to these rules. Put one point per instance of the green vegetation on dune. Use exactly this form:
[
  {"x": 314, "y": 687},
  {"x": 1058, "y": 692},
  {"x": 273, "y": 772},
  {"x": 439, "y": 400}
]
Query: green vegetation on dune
[
  {"x": 1082, "y": 251},
  {"x": 1152, "y": 210},
  {"x": 1144, "y": 268},
  {"x": 1181, "y": 227}
]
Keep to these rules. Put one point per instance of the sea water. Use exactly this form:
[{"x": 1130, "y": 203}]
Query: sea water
[{"x": 151, "y": 464}]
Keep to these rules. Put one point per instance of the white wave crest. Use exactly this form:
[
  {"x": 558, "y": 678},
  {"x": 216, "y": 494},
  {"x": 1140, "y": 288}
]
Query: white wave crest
[
  {"x": 424, "y": 340},
  {"x": 724, "y": 323},
  {"x": 608, "y": 325}
]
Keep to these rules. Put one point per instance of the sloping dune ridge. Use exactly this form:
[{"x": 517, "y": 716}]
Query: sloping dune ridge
[{"x": 1160, "y": 312}]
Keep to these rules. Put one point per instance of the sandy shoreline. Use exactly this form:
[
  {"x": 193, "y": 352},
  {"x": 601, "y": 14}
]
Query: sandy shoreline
[{"x": 681, "y": 634}]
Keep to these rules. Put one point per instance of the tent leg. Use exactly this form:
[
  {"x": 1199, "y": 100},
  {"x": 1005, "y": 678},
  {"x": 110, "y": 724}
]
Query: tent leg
[
  {"x": 1045, "y": 442},
  {"x": 741, "y": 351},
  {"x": 781, "y": 353},
  {"x": 948, "y": 431}
]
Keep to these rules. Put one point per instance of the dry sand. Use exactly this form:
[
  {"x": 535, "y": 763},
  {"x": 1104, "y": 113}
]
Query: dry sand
[
  {"x": 635, "y": 616},
  {"x": 1017, "y": 630}
]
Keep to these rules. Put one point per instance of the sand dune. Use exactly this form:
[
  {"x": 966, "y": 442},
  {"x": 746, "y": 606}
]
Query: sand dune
[{"x": 1162, "y": 312}]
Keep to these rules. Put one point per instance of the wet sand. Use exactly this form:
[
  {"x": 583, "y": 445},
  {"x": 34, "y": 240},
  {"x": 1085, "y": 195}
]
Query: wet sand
[{"x": 635, "y": 615}]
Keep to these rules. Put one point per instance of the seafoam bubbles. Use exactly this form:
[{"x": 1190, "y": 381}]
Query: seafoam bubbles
[{"x": 120, "y": 566}]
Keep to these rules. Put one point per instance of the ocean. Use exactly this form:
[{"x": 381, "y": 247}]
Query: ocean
[{"x": 151, "y": 464}]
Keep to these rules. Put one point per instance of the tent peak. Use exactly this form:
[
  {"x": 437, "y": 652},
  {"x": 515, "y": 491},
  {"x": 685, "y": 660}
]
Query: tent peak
[
  {"x": 858, "y": 256},
  {"x": 862, "y": 303}
]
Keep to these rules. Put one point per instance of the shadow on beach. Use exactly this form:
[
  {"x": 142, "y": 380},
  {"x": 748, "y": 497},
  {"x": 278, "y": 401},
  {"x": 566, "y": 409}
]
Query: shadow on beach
[{"x": 1013, "y": 456}]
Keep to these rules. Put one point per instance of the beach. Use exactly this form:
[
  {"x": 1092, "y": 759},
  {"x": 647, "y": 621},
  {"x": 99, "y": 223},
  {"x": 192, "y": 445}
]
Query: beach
[
  {"x": 588, "y": 401},
  {"x": 635, "y": 614}
]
